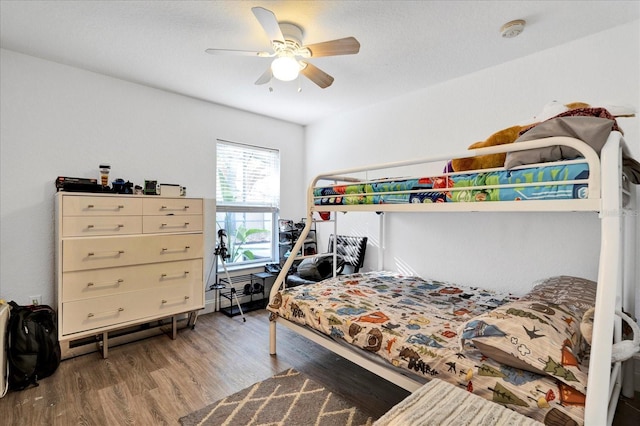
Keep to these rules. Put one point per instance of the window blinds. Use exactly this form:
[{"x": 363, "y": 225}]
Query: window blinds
[{"x": 247, "y": 175}]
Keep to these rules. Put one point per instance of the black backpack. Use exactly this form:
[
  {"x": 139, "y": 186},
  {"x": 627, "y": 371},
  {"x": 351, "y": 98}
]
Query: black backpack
[{"x": 33, "y": 350}]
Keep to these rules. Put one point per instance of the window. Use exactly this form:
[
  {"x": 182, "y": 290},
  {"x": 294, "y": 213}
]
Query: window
[{"x": 248, "y": 197}]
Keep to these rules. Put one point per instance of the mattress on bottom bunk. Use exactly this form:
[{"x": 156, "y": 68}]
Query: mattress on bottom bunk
[
  {"x": 413, "y": 324},
  {"x": 503, "y": 185}
]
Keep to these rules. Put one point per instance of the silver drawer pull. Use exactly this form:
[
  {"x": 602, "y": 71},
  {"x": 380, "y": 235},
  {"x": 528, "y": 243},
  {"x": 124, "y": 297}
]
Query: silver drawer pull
[
  {"x": 177, "y": 275},
  {"x": 106, "y": 284},
  {"x": 167, "y": 208},
  {"x": 166, "y": 224},
  {"x": 185, "y": 248},
  {"x": 116, "y": 252},
  {"x": 91, "y": 314},
  {"x": 179, "y": 300},
  {"x": 91, "y": 206},
  {"x": 119, "y": 225}
]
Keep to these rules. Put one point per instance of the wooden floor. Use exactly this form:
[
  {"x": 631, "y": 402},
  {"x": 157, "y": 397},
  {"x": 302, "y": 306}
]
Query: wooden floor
[{"x": 158, "y": 380}]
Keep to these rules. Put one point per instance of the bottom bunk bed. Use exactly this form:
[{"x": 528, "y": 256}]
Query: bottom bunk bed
[
  {"x": 526, "y": 353},
  {"x": 416, "y": 325}
]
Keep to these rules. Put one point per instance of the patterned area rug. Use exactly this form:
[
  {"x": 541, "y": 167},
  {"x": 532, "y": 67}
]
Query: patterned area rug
[{"x": 288, "y": 398}]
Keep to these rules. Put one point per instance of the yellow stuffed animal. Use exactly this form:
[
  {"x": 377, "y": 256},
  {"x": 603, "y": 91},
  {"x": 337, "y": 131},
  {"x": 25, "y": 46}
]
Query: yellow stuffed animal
[
  {"x": 504, "y": 136},
  {"x": 508, "y": 135}
]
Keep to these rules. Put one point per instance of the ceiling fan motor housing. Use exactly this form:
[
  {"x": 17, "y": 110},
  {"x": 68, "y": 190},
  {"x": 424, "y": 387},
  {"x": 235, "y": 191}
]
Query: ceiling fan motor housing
[
  {"x": 292, "y": 45},
  {"x": 291, "y": 32}
]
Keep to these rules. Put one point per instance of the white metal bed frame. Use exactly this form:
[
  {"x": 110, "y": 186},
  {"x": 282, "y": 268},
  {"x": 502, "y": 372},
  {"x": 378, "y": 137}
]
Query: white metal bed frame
[{"x": 616, "y": 268}]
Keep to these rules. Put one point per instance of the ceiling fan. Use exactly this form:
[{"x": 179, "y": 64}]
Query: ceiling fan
[{"x": 289, "y": 52}]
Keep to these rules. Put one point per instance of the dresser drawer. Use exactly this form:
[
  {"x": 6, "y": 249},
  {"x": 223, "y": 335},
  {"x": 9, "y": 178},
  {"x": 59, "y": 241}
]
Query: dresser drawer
[
  {"x": 171, "y": 206},
  {"x": 183, "y": 223},
  {"x": 101, "y": 206},
  {"x": 79, "y": 226},
  {"x": 94, "y": 313},
  {"x": 98, "y": 312},
  {"x": 176, "y": 299},
  {"x": 79, "y": 285},
  {"x": 107, "y": 252}
]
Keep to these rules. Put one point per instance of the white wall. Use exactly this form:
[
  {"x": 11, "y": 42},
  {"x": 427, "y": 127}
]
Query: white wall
[
  {"x": 506, "y": 251},
  {"x": 58, "y": 120}
]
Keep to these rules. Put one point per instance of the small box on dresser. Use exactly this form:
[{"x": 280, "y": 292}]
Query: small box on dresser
[{"x": 124, "y": 260}]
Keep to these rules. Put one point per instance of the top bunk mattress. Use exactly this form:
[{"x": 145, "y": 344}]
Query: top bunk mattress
[{"x": 558, "y": 181}]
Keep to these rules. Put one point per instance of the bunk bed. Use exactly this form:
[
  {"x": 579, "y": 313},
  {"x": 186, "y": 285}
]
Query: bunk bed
[{"x": 570, "y": 389}]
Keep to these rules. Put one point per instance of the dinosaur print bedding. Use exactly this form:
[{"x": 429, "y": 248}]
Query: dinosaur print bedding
[
  {"x": 415, "y": 324},
  {"x": 556, "y": 182}
]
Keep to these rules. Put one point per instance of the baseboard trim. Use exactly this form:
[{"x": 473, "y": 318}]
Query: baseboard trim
[{"x": 209, "y": 307}]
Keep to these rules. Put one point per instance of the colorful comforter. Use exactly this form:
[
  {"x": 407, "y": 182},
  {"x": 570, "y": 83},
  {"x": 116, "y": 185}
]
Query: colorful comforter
[
  {"x": 506, "y": 185},
  {"x": 413, "y": 324}
]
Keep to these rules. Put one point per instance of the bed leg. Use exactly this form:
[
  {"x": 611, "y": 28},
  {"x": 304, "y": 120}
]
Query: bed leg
[
  {"x": 272, "y": 337},
  {"x": 628, "y": 385}
]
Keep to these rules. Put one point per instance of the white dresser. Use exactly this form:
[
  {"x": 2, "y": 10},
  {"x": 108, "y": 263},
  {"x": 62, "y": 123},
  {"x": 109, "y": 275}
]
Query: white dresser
[{"x": 124, "y": 260}]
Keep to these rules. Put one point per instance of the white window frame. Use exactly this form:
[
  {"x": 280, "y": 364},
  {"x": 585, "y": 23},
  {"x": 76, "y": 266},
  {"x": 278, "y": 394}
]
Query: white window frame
[{"x": 268, "y": 205}]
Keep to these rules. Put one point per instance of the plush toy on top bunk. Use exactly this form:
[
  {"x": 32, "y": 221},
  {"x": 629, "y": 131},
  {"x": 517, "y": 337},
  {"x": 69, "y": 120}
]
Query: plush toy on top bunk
[{"x": 511, "y": 134}]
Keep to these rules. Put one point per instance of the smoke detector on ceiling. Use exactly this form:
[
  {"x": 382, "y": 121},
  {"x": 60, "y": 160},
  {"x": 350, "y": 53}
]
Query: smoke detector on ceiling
[{"x": 512, "y": 29}]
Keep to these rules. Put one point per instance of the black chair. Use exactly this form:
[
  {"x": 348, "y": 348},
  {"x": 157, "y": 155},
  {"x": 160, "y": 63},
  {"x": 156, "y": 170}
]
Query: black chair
[{"x": 350, "y": 253}]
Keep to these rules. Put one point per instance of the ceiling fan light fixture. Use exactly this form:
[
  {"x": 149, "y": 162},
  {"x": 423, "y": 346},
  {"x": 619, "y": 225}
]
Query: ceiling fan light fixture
[{"x": 285, "y": 68}]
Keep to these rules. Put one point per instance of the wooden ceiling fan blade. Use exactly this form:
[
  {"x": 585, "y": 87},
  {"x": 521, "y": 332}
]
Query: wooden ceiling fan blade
[
  {"x": 265, "y": 77},
  {"x": 233, "y": 52},
  {"x": 269, "y": 23},
  {"x": 342, "y": 46},
  {"x": 316, "y": 75}
]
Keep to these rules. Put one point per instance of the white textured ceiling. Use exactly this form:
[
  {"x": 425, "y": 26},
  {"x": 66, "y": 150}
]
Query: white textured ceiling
[{"x": 405, "y": 45}]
